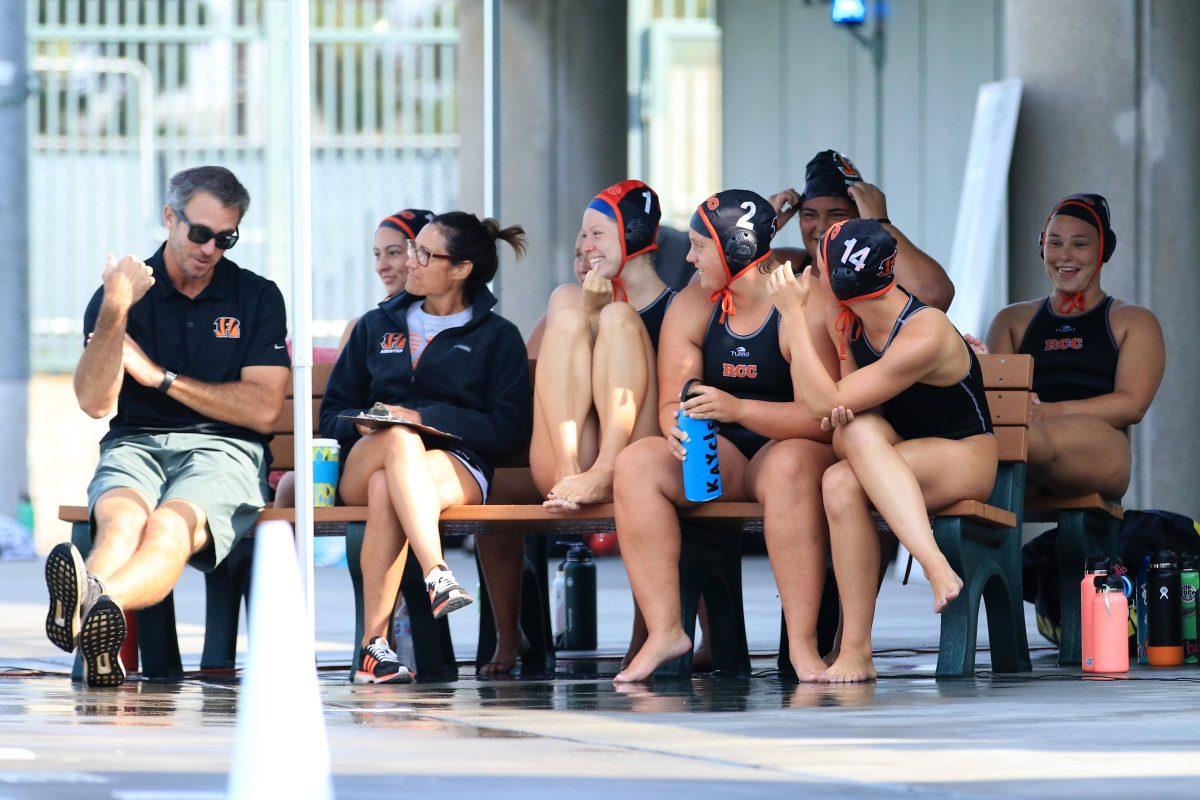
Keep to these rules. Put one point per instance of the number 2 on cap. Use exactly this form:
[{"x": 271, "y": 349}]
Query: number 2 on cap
[
  {"x": 859, "y": 259},
  {"x": 744, "y": 220}
]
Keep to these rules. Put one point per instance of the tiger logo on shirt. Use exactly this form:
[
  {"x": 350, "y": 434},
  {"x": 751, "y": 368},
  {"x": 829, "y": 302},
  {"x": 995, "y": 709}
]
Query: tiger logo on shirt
[
  {"x": 227, "y": 328},
  {"x": 393, "y": 343}
]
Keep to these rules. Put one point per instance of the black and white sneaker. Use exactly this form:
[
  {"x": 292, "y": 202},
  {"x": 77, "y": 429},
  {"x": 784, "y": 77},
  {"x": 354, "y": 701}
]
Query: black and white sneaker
[
  {"x": 100, "y": 638},
  {"x": 67, "y": 584},
  {"x": 377, "y": 663},
  {"x": 445, "y": 595}
]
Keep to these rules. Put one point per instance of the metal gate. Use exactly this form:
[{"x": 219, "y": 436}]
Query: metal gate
[{"x": 130, "y": 91}]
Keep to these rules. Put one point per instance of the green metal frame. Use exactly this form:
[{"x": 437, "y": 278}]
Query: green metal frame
[
  {"x": 989, "y": 561},
  {"x": 1082, "y": 534}
]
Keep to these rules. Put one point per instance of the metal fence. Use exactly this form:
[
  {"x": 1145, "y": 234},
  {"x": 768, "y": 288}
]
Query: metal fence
[{"x": 130, "y": 91}]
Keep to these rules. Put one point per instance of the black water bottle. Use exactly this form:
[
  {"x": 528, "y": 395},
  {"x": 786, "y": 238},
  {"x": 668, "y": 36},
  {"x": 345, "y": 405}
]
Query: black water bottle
[
  {"x": 1164, "y": 646},
  {"x": 579, "y": 577}
]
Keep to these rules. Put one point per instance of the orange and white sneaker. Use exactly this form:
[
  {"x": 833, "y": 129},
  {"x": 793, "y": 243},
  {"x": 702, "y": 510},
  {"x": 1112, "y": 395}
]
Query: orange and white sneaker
[
  {"x": 377, "y": 663},
  {"x": 445, "y": 595}
]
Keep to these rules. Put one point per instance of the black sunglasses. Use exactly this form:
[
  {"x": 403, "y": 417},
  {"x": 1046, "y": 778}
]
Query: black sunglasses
[{"x": 201, "y": 234}]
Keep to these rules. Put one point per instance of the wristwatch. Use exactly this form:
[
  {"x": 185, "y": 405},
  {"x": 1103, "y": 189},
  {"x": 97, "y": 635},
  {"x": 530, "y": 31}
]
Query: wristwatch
[
  {"x": 883, "y": 220},
  {"x": 168, "y": 378}
]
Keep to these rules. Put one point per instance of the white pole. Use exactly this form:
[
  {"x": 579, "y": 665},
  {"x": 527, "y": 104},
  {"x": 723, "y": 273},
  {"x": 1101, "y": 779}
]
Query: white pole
[
  {"x": 491, "y": 114},
  {"x": 302, "y": 358}
]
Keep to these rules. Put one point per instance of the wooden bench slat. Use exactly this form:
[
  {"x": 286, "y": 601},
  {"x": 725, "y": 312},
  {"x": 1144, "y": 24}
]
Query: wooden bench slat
[
  {"x": 282, "y": 451},
  {"x": 1010, "y": 407},
  {"x": 981, "y": 512},
  {"x": 1013, "y": 441},
  {"x": 320, "y": 378},
  {"x": 996, "y": 517},
  {"x": 285, "y": 422},
  {"x": 1013, "y": 371},
  {"x": 1045, "y": 508}
]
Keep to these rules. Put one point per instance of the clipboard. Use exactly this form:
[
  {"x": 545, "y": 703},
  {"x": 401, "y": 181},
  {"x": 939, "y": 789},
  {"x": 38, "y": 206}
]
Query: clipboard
[{"x": 379, "y": 417}]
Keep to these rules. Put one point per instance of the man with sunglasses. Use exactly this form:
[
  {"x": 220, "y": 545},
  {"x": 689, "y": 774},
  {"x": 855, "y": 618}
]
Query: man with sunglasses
[{"x": 189, "y": 350}]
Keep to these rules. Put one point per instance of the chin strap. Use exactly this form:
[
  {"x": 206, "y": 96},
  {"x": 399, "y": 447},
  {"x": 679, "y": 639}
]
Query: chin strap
[
  {"x": 845, "y": 326},
  {"x": 619, "y": 293},
  {"x": 727, "y": 307},
  {"x": 1072, "y": 303}
]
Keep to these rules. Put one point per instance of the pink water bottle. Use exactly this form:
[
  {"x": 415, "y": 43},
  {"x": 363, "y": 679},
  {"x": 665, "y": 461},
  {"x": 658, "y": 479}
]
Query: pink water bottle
[
  {"x": 1096, "y": 567},
  {"x": 1110, "y": 626}
]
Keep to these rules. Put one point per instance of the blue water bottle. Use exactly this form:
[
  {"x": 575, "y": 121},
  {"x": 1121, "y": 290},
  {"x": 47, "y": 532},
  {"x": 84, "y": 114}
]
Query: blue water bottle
[{"x": 701, "y": 465}]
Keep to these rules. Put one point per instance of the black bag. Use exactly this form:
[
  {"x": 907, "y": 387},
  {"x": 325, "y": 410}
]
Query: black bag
[{"x": 1142, "y": 534}]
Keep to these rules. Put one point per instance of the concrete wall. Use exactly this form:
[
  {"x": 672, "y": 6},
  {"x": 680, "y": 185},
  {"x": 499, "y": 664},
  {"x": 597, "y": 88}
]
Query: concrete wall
[
  {"x": 1110, "y": 107},
  {"x": 564, "y": 130},
  {"x": 795, "y": 84}
]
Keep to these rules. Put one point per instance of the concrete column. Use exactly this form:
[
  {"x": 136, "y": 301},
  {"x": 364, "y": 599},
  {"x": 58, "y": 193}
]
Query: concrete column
[
  {"x": 14, "y": 221},
  {"x": 563, "y": 130},
  {"x": 1109, "y": 107}
]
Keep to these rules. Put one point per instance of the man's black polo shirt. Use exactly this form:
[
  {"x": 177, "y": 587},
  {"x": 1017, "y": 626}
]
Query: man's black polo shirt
[{"x": 239, "y": 320}]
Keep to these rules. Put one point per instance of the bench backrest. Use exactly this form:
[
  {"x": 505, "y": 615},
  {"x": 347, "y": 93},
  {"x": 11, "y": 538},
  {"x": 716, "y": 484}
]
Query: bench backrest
[{"x": 1007, "y": 380}]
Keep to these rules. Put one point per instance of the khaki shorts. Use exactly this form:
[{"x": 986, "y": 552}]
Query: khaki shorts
[{"x": 224, "y": 477}]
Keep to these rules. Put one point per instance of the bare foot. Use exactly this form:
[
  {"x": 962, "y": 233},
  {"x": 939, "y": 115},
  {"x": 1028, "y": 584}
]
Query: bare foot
[
  {"x": 806, "y": 661},
  {"x": 702, "y": 658},
  {"x": 657, "y": 650},
  {"x": 850, "y": 667},
  {"x": 832, "y": 656},
  {"x": 946, "y": 586},
  {"x": 637, "y": 638},
  {"x": 573, "y": 491},
  {"x": 504, "y": 660}
]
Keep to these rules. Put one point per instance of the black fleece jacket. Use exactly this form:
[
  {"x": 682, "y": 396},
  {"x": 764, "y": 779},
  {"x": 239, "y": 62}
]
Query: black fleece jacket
[{"x": 472, "y": 381}]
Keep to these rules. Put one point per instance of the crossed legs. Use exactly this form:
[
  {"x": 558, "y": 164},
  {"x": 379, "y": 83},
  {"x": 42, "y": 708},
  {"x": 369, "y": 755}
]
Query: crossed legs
[
  {"x": 902, "y": 480},
  {"x": 139, "y": 554},
  {"x": 405, "y": 487}
]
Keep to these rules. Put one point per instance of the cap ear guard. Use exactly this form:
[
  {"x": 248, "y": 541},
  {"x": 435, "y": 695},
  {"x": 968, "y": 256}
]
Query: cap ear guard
[{"x": 740, "y": 246}]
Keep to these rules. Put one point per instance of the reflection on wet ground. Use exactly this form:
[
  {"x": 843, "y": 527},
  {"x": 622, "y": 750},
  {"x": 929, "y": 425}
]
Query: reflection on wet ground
[{"x": 575, "y": 734}]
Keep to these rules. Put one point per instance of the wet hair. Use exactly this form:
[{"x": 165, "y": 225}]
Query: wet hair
[
  {"x": 470, "y": 239},
  {"x": 217, "y": 181}
]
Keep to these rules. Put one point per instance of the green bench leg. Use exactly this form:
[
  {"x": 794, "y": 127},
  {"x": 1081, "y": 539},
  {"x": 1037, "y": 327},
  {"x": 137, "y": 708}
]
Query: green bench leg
[
  {"x": 225, "y": 588},
  {"x": 432, "y": 645},
  {"x": 1081, "y": 535},
  {"x": 535, "y": 612},
  {"x": 710, "y": 565},
  {"x": 158, "y": 643},
  {"x": 988, "y": 560}
]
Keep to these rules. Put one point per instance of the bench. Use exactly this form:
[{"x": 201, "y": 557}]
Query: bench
[
  {"x": 980, "y": 539},
  {"x": 1088, "y": 527}
]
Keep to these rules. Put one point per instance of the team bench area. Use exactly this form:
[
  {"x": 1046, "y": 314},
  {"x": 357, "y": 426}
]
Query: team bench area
[{"x": 981, "y": 540}]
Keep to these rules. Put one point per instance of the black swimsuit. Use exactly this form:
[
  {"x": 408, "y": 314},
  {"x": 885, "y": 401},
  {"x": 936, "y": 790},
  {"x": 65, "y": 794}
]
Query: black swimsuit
[
  {"x": 654, "y": 314},
  {"x": 749, "y": 367},
  {"x": 923, "y": 410},
  {"x": 1074, "y": 358}
]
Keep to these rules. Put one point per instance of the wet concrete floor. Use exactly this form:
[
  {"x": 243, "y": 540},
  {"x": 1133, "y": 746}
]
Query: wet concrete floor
[{"x": 1050, "y": 734}]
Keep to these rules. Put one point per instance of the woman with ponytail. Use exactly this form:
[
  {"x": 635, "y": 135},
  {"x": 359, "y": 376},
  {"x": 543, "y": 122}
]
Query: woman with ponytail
[
  {"x": 435, "y": 354},
  {"x": 1097, "y": 360}
]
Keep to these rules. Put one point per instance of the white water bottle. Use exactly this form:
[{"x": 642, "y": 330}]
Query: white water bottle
[
  {"x": 560, "y": 602},
  {"x": 402, "y": 633}
]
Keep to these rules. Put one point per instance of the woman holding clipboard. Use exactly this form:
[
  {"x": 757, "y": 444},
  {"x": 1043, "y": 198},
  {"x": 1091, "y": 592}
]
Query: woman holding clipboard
[{"x": 438, "y": 356}]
